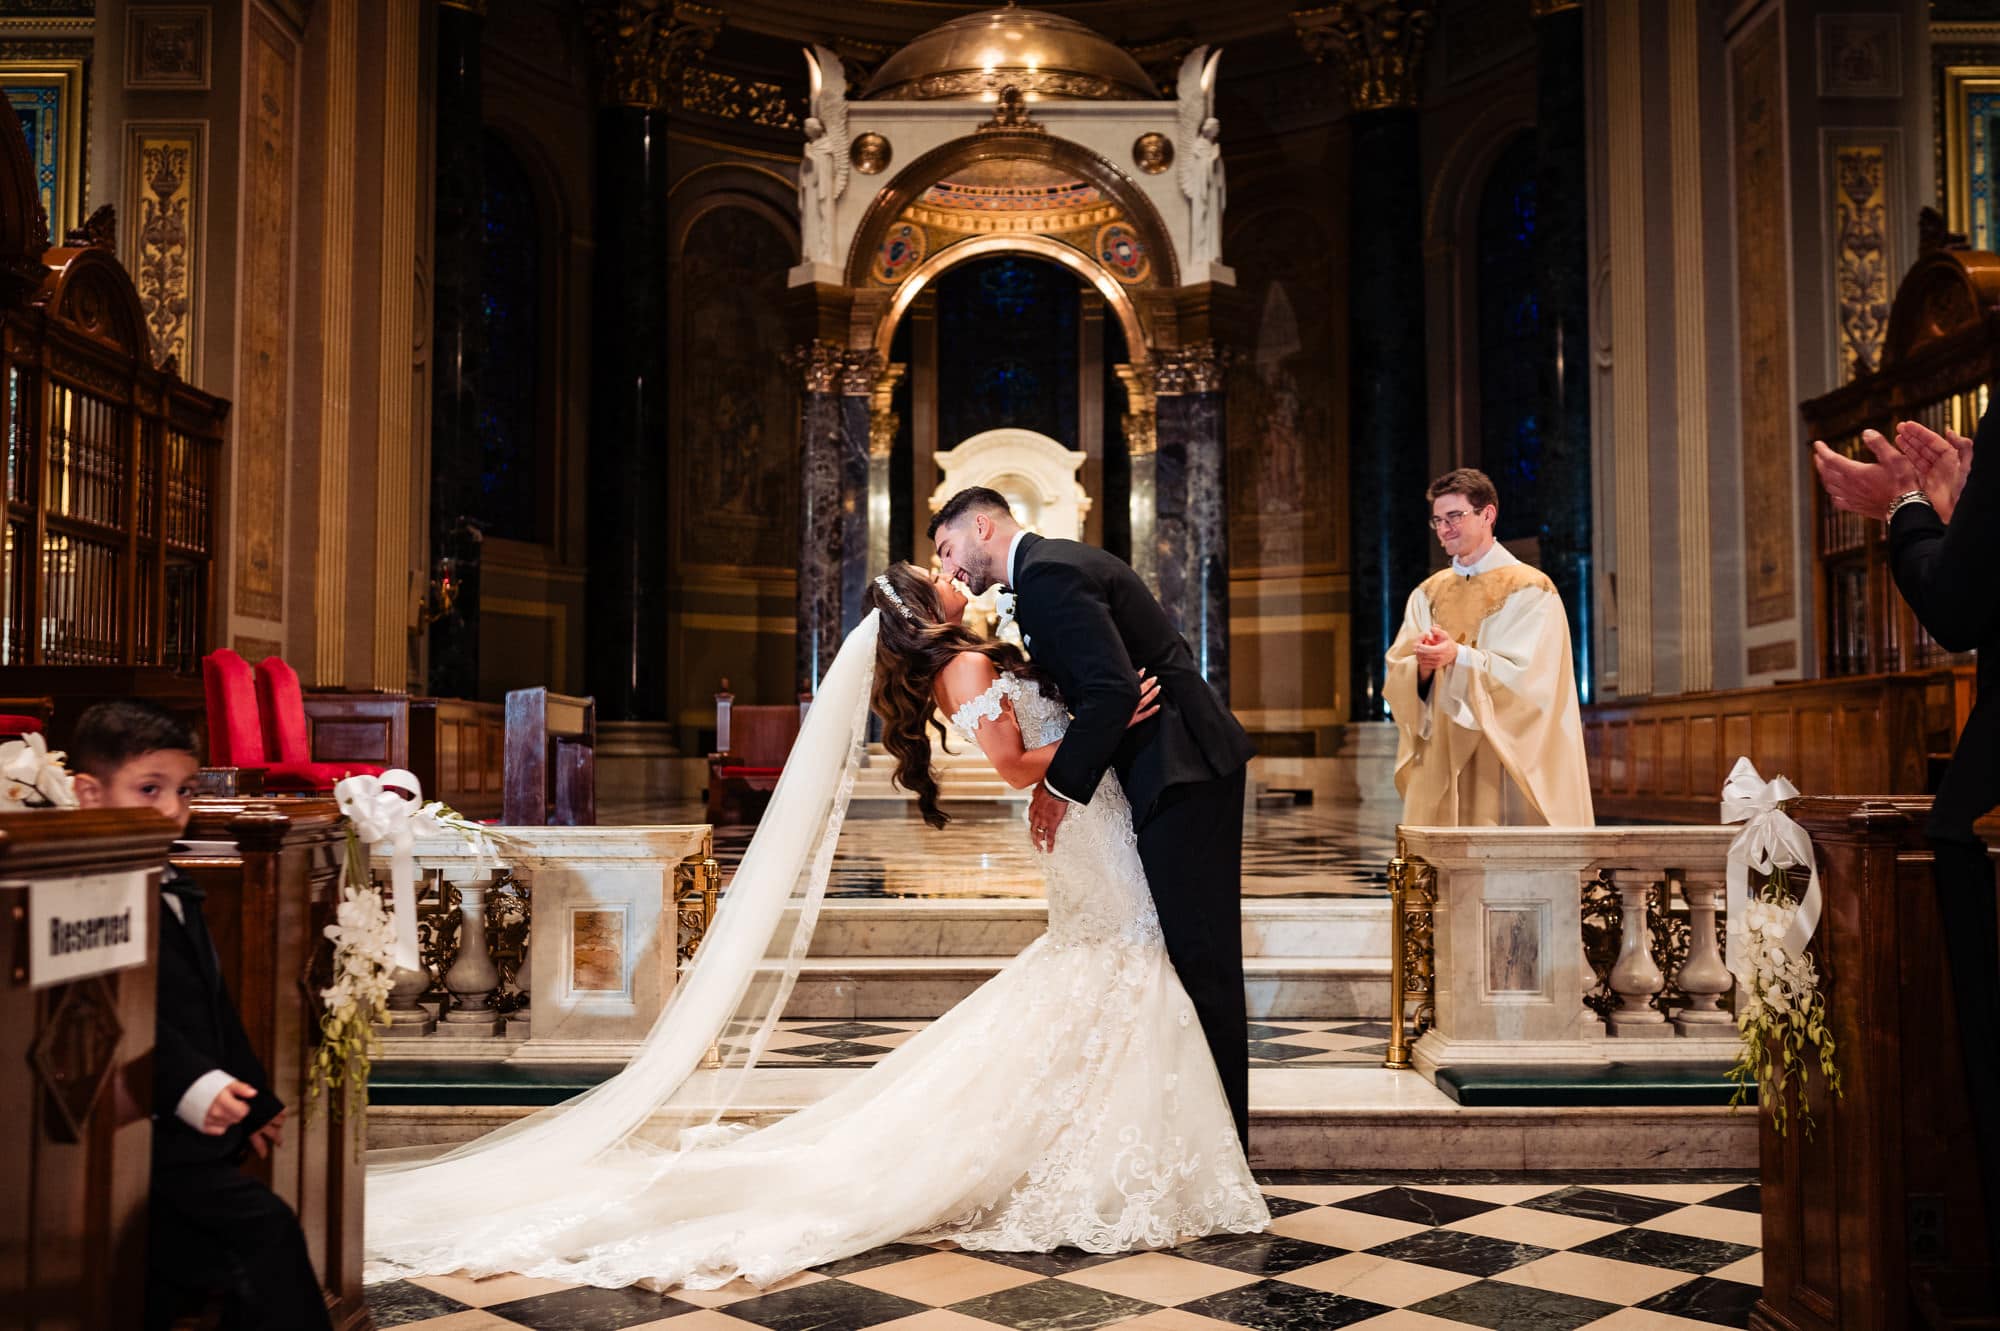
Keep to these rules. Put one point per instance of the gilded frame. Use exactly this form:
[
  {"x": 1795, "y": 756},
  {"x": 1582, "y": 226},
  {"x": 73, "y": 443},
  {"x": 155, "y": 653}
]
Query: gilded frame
[
  {"x": 1971, "y": 176},
  {"x": 49, "y": 93}
]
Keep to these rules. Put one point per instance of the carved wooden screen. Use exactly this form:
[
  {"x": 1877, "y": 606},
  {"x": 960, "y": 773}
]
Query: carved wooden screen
[
  {"x": 1941, "y": 359},
  {"x": 111, "y": 472}
]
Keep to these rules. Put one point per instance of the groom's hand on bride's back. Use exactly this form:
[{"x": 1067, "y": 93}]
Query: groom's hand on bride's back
[{"x": 1149, "y": 699}]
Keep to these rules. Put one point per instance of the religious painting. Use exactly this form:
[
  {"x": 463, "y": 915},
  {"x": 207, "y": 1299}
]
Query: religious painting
[
  {"x": 1971, "y": 136},
  {"x": 47, "y": 97},
  {"x": 262, "y": 414},
  {"x": 1282, "y": 422},
  {"x": 1763, "y": 265},
  {"x": 1860, "y": 55},
  {"x": 736, "y": 445},
  {"x": 167, "y": 48}
]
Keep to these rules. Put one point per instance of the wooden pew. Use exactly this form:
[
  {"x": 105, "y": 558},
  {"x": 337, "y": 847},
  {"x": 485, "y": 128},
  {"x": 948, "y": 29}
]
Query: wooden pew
[
  {"x": 76, "y": 1136},
  {"x": 456, "y": 749},
  {"x": 551, "y": 770},
  {"x": 742, "y": 776},
  {"x": 272, "y": 873},
  {"x": 1862, "y": 1219}
]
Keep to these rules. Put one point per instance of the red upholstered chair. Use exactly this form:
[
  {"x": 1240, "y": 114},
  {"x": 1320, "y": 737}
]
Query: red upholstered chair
[
  {"x": 257, "y": 720},
  {"x": 742, "y": 776}
]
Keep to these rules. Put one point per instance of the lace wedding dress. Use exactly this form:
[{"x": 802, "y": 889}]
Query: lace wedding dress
[{"x": 1071, "y": 1100}]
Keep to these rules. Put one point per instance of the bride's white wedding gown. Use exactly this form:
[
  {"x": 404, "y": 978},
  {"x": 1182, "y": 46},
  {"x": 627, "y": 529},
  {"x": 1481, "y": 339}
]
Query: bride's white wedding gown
[{"x": 1071, "y": 1100}]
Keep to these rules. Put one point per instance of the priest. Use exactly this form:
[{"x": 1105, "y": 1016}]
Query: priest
[{"x": 1480, "y": 682}]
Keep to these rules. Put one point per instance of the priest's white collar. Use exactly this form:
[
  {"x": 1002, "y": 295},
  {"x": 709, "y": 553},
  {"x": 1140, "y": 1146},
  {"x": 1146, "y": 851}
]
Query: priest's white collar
[
  {"x": 1013, "y": 551},
  {"x": 1497, "y": 557}
]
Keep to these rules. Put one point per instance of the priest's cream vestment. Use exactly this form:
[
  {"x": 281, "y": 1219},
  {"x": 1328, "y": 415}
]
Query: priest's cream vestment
[{"x": 1497, "y": 737}]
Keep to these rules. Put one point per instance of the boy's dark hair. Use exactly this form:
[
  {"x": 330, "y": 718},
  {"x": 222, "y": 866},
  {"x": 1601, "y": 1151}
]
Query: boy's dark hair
[
  {"x": 974, "y": 499},
  {"x": 110, "y": 734},
  {"x": 1474, "y": 484}
]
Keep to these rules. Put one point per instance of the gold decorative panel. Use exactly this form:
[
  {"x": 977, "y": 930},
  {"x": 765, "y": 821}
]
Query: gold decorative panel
[
  {"x": 162, "y": 213},
  {"x": 1770, "y": 458},
  {"x": 264, "y": 348},
  {"x": 1861, "y": 254}
]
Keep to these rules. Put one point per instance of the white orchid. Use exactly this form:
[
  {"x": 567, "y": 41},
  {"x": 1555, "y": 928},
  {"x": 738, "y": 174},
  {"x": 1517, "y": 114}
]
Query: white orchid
[
  {"x": 1779, "y": 1008},
  {"x": 33, "y": 777}
]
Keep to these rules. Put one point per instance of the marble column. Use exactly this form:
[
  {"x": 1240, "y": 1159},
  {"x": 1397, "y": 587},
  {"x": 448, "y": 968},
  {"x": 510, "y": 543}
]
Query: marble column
[
  {"x": 883, "y": 422},
  {"x": 1561, "y": 258},
  {"x": 860, "y": 375},
  {"x": 459, "y": 339},
  {"x": 1141, "y": 429},
  {"x": 640, "y": 51},
  {"x": 1380, "y": 50},
  {"x": 822, "y": 533},
  {"x": 1190, "y": 497}
]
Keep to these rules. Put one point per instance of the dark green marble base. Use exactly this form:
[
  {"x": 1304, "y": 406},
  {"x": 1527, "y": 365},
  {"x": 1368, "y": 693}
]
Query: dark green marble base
[
  {"x": 468, "y": 1083},
  {"x": 1568, "y": 1085}
]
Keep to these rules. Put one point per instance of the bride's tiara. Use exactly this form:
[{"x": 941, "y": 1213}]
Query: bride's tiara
[{"x": 882, "y": 581}]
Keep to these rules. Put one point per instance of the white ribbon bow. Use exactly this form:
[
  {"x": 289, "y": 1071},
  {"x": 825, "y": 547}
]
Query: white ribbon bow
[
  {"x": 387, "y": 809},
  {"x": 1004, "y": 601},
  {"x": 1769, "y": 839}
]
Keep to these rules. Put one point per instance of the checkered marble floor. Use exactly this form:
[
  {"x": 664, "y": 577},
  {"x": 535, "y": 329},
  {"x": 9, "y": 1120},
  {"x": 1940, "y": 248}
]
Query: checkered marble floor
[
  {"x": 1292, "y": 851},
  {"x": 811, "y": 1042},
  {"x": 1514, "y": 1252}
]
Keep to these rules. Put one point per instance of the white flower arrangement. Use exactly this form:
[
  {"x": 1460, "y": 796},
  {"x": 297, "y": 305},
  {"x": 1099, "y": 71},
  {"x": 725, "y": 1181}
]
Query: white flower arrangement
[
  {"x": 1780, "y": 1010},
  {"x": 33, "y": 777}
]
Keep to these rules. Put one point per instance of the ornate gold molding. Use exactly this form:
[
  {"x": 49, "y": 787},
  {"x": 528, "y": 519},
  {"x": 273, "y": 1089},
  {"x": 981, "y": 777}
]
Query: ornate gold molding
[
  {"x": 1011, "y": 116},
  {"x": 643, "y": 50},
  {"x": 476, "y": 8},
  {"x": 1380, "y": 47},
  {"x": 166, "y": 164},
  {"x": 1545, "y": 8},
  {"x": 1141, "y": 419},
  {"x": 1200, "y": 368},
  {"x": 714, "y": 92},
  {"x": 882, "y": 418},
  {"x": 858, "y": 372},
  {"x": 817, "y": 364}
]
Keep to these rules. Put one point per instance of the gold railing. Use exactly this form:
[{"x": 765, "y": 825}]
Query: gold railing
[
  {"x": 697, "y": 886},
  {"x": 1412, "y": 957}
]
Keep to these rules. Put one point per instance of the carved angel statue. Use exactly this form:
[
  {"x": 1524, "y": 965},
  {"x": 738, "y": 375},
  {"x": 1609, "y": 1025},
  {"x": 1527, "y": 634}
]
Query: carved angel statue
[
  {"x": 1200, "y": 156},
  {"x": 824, "y": 169}
]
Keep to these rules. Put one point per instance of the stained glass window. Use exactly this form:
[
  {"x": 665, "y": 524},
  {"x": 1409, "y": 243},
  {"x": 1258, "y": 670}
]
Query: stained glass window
[
  {"x": 508, "y": 412},
  {"x": 1007, "y": 347},
  {"x": 1510, "y": 319}
]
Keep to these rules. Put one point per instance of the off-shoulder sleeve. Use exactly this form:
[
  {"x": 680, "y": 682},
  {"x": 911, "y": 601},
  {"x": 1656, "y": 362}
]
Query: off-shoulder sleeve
[{"x": 986, "y": 707}]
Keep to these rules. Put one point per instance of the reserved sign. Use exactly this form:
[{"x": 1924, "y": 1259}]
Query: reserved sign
[{"x": 86, "y": 926}]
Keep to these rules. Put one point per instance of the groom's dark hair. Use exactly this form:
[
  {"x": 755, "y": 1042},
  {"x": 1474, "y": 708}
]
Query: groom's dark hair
[{"x": 974, "y": 499}]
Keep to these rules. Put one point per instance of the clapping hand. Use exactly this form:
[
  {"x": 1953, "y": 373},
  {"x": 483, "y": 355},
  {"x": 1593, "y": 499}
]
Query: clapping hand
[
  {"x": 1861, "y": 487},
  {"x": 1942, "y": 462},
  {"x": 1434, "y": 651}
]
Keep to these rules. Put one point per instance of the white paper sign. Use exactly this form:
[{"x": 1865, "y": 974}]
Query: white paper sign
[{"x": 86, "y": 926}]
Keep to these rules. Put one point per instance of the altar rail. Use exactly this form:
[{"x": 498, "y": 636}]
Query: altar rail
[
  {"x": 1559, "y": 945},
  {"x": 1665, "y": 759},
  {"x": 579, "y": 930}
]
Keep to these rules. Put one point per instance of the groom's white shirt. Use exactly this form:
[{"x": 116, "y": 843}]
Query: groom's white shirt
[{"x": 1013, "y": 553}]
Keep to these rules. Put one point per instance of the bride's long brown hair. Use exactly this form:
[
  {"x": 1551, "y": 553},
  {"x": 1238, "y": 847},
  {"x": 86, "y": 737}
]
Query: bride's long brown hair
[{"x": 914, "y": 643}]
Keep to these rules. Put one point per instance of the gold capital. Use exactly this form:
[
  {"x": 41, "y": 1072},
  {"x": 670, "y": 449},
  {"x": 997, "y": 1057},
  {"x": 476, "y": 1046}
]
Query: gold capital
[
  {"x": 1380, "y": 47},
  {"x": 643, "y": 49}
]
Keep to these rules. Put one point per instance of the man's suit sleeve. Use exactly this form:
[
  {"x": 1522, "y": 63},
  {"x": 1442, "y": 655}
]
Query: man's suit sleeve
[
  {"x": 1072, "y": 621},
  {"x": 1938, "y": 568}
]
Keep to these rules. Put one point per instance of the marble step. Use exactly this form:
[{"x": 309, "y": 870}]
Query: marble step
[
  {"x": 1342, "y": 928},
  {"x": 850, "y": 988},
  {"x": 1300, "y": 1118}
]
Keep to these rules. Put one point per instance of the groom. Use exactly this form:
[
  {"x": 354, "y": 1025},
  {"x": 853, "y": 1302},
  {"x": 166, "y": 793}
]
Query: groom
[{"x": 1091, "y": 624}]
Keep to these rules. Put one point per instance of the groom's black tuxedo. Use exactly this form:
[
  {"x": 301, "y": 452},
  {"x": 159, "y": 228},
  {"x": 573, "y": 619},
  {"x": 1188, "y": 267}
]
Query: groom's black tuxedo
[
  {"x": 1945, "y": 575},
  {"x": 1091, "y": 624}
]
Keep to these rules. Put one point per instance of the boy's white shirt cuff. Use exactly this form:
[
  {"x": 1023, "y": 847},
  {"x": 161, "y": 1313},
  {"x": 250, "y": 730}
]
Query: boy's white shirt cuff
[{"x": 200, "y": 1097}]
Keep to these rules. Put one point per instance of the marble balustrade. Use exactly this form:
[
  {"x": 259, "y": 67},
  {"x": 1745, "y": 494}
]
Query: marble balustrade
[
  {"x": 1564, "y": 945},
  {"x": 580, "y": 928}
]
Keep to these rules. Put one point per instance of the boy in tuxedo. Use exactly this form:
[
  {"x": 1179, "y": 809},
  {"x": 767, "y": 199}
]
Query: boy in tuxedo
[{"x": 213, "y": 1227}]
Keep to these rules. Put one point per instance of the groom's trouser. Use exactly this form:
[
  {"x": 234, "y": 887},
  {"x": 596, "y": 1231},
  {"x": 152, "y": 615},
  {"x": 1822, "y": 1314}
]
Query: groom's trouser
[{"x": 1192, "y": 848}]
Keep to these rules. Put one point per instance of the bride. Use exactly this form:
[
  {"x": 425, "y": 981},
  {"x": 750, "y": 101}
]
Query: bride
[{"x": 1070, "y": 1101}]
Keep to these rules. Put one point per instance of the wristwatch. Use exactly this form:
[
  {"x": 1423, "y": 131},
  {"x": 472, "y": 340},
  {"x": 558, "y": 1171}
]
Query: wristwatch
[{"x": 1907, "y": 497}]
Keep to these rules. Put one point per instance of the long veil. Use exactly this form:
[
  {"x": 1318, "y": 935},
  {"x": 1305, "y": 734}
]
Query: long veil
[{"x": 424, "y": 1215}]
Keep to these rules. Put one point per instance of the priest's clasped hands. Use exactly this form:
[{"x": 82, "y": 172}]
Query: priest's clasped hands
[
  {"x": 1920, "y": 459},
  {"x": 1434, "y": 651}
]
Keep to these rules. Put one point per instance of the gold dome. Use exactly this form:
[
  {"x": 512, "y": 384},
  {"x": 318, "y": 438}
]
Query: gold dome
[{"x": 1046, "y": 56}]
